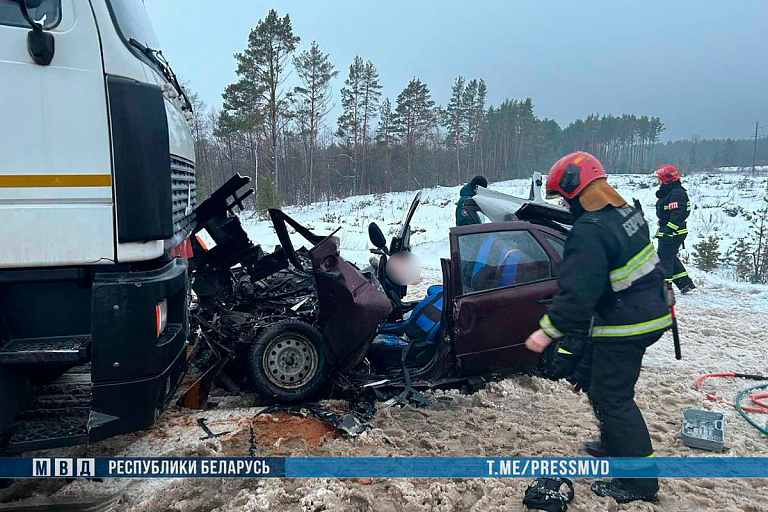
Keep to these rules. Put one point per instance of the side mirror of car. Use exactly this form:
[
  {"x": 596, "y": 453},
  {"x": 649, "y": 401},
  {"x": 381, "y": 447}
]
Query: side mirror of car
[{"x": 377, "y": 237}]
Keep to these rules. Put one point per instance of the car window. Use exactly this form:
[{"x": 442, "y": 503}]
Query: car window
[
  {"x": 500, "y": 259},
  {"x": 48, "y": 14},
  {"x": 557, "y": 244}
]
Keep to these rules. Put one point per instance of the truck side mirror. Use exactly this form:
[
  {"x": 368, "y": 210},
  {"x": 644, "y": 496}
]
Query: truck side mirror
[{"x": 40, "y": 44}]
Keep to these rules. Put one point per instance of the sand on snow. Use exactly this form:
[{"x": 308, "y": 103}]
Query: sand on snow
[{"x": 722, "y": 324}]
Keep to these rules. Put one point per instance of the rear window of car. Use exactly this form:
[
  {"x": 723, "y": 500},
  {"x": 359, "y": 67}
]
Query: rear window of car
[
  {"x": 47, "y": 14},
  {"x": 557, "y": 244},
  {"x": 501, "y": 259}
]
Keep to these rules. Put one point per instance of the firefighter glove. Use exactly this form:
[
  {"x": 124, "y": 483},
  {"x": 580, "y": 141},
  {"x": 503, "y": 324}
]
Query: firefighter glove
[
  {"x": 567, "y": 356},
  {"x": 583, "y": 374}
]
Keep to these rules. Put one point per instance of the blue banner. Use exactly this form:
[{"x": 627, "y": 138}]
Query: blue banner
[{"x": 381, "y": 467}]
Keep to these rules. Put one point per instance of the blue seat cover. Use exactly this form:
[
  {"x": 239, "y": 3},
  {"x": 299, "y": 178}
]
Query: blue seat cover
[{"x": 423, "y": 321}]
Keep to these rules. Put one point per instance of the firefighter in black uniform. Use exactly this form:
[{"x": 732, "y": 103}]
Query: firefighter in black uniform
[
  {"x": 672, "y": 209},
  {"x": 610, "y": 308}
]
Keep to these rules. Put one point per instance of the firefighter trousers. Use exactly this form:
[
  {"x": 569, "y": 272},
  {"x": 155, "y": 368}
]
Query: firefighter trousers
[
  {"x": 615, "y": 370},
  {"x": 672, "y": 267}
]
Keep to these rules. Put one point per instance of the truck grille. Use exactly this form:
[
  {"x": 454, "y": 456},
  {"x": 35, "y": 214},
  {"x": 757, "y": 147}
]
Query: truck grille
[{"x": 183, "y": 196}]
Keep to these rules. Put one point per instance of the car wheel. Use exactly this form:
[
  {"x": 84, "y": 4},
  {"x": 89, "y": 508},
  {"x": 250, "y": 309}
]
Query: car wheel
[{"x": 286, "y": 362}]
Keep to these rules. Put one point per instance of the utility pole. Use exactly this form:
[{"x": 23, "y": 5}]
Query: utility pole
[{"x": 754, "y": 151}]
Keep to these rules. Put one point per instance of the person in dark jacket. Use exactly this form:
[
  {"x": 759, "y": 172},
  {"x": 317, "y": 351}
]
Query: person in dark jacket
[
  {"x": 463, "y": 217},
  {"x": 610, "y": 308},
  {"x": 672, "y": 209}
]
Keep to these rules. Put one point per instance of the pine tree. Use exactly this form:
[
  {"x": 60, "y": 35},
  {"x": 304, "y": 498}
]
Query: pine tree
[
  {"x": 242, "y": 118},
  {"x": 526, "y": 126},
  {"x": 315, "y": 71},
  {"x": 268, "y": 196},
  {"x": 385, "y": 136},
  {"x": 262, "y": 70},
  {"x": 706, "y": 254},
  {"x": 759, "y": 223},
  {"x": 468, "y": 99},
  {"x": 414, "y": 117},
  {"x": 742, "y": 260},
  {"x": 478, "y": 118},
  {"x": 454, "y": 121},
  {"x": 371, "y": 92},
  {"x": 693, "y": 158},
  {"x": 351, "y": 118}
]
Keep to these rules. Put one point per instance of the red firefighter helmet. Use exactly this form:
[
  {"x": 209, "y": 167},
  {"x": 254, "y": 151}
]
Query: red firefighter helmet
[
  {"x": 572, "y": 173},
  {"x": 667, "y": 174}
]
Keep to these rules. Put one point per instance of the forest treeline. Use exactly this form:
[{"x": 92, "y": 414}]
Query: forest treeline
[{"x": 282, "y": 136}]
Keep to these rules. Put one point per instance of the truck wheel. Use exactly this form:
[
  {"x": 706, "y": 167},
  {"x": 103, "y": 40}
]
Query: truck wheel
[{"x": 286, "y": 362}]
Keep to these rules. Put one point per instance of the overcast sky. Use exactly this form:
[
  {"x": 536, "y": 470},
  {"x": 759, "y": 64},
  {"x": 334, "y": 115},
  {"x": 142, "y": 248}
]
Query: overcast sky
[{"x": 701, "y": 66}]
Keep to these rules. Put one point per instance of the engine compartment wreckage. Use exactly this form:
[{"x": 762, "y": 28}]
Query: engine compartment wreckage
[{"x": 299, "y": 324}]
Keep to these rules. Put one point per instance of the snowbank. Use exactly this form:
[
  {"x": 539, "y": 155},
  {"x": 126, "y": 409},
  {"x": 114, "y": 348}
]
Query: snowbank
[{"x": 718, "y": 199}]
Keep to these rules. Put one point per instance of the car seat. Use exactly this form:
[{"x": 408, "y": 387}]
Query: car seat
[
  {"x": 419, "y": 329},
  {"x": 423, "y": 322},
  {"x": 496, "y": 264}
]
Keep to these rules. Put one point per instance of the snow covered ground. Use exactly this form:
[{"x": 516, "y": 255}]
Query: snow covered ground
[
  {"x": 720, "y": 199},
  {"x": 723, "y": 326}
]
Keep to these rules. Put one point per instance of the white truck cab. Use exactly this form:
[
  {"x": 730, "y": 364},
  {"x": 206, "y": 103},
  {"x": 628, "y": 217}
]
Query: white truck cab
[{"x": 97, "y": 189}]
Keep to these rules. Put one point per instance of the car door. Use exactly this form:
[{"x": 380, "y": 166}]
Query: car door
[
  {"x": 504, "y": 277},
  {"x": 402, "y": 242}
]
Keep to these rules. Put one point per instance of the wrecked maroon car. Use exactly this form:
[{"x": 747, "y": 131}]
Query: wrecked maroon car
[
  {"x": 282, "y": 322},
  {"x": 497, "y": 283},
  {"x": 300, "y": 322}
]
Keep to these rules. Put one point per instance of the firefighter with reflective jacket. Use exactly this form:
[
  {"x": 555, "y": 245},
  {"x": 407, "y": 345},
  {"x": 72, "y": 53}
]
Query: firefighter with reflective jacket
[
  {"x": 672, "y": 209},
  {"x": 610, "y": 308}
]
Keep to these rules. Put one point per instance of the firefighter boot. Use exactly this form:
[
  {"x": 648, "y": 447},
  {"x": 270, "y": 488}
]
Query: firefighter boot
[{"x": 595, "y": 448}]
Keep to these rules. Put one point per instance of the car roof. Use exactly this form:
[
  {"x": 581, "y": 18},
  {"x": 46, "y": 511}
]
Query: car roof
[
  {"x": 490, "y": 227},
  {"x": 500, "y": 207}
]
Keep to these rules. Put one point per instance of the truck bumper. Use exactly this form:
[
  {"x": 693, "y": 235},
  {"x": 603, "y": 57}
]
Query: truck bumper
[{"x": 135, "y": 372}]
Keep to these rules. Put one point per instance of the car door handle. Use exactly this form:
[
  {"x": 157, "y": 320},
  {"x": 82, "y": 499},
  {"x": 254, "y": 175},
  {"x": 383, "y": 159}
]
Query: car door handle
[{"x": 546, "y": 301}]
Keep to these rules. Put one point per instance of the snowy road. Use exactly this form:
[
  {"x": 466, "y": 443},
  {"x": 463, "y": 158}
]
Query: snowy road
[{"x": 722, "y": 327}]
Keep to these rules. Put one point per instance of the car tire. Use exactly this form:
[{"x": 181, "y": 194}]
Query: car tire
[{"x": 286, "y": 362}]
